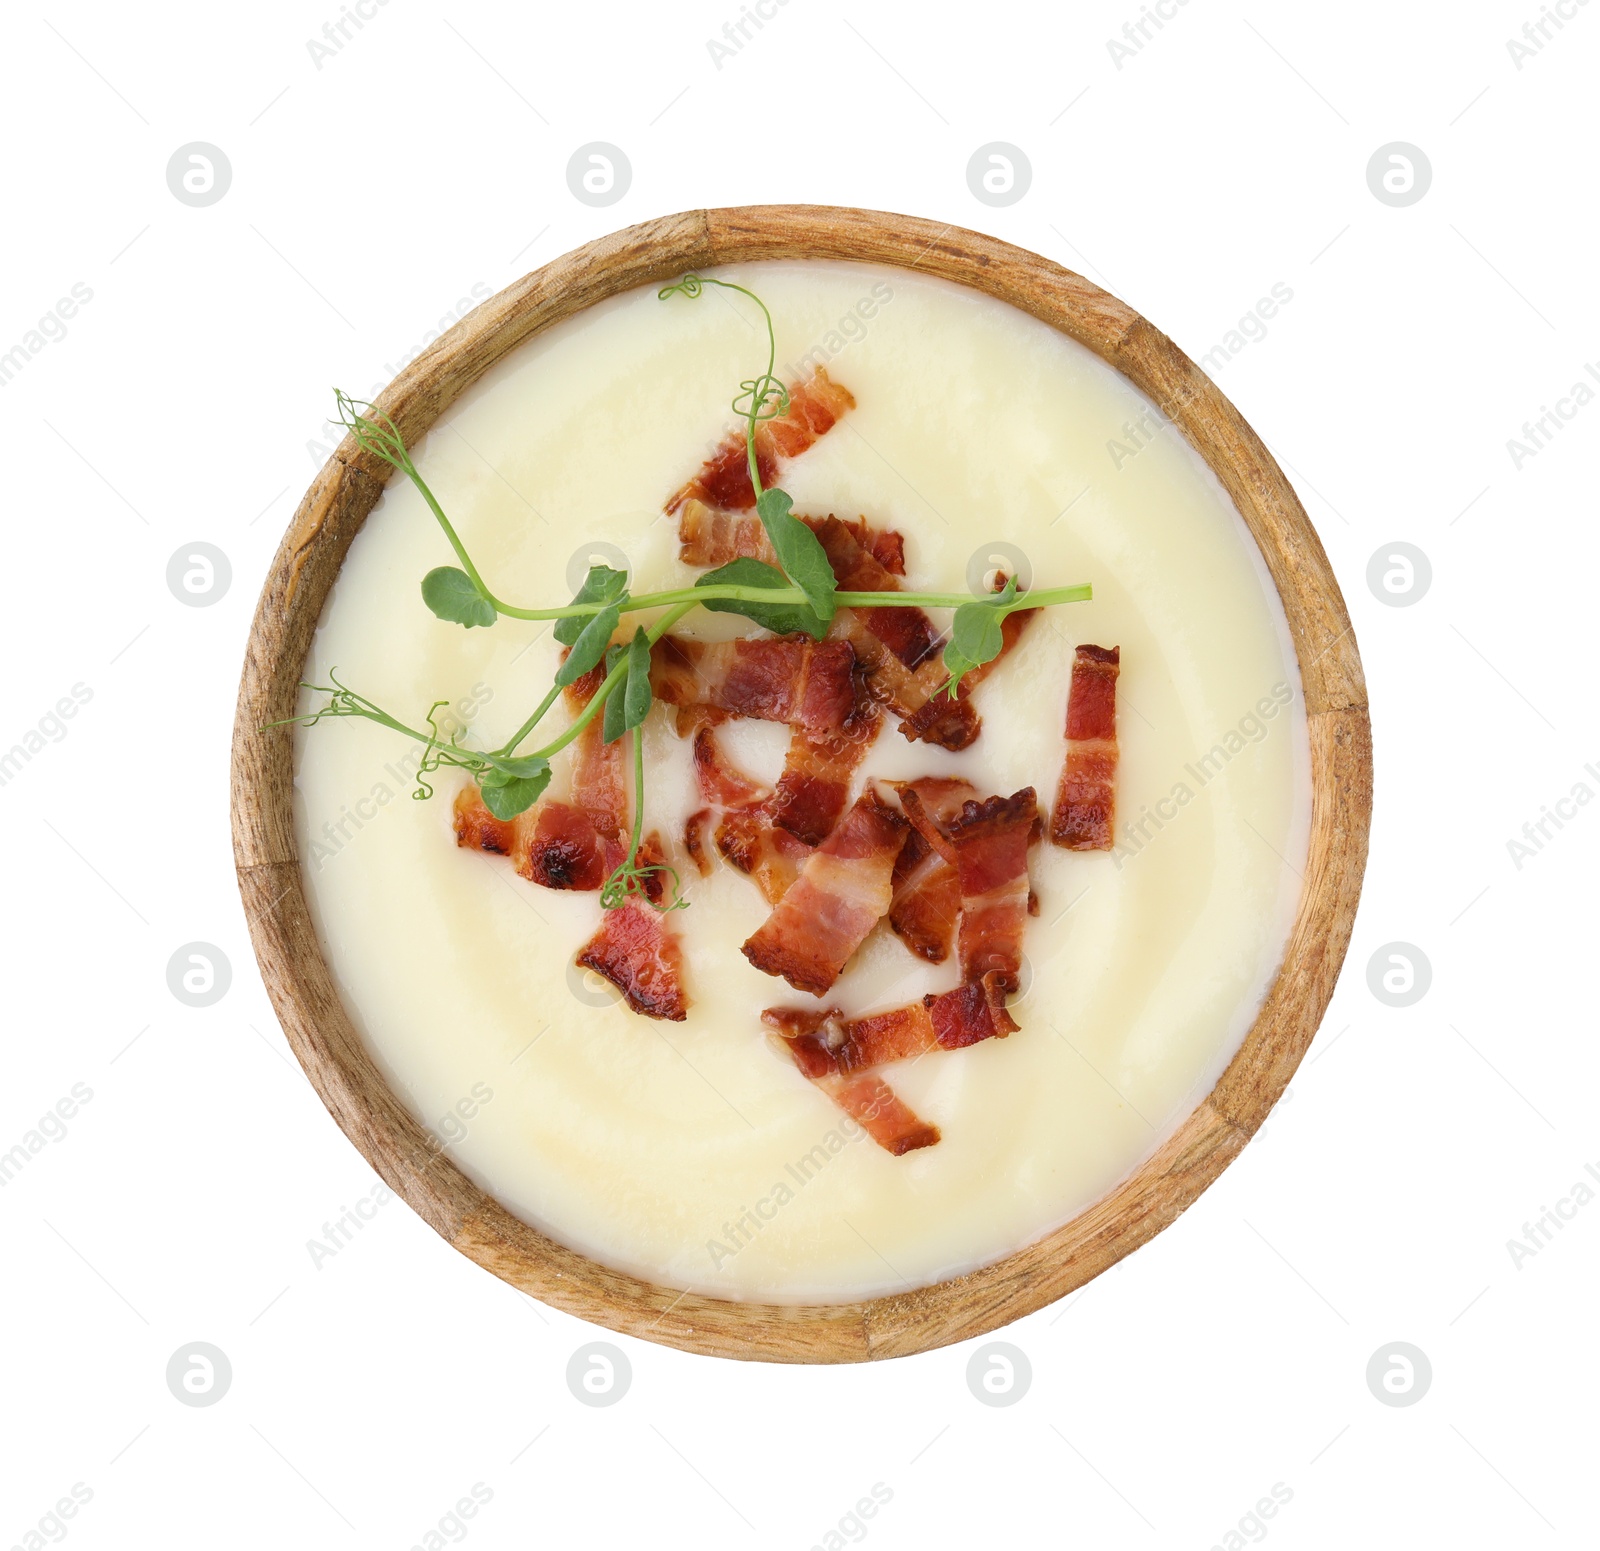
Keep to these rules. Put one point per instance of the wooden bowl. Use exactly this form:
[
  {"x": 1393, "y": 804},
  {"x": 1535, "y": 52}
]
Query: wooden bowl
[{"x": 342, "y": 1069}]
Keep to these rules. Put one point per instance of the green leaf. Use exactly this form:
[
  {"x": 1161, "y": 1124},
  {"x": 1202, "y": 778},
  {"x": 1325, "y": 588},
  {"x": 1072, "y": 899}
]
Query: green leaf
[
  {"x": 611, "y": 725},
  {"x": 590, "y": 645},
  {"x": 516, "y": 795},
  {"x": 799, "y": 551},
  {"x": 629, "y": 703},
  {"x": 781, "y": 618},
  {"x": 451, "y": 595},
  {"x": 601, "y": 585},
  {"x": 636, "y": 697},
  {"x": 975, "y": 636},
  {"x": 516, "y": 767}
]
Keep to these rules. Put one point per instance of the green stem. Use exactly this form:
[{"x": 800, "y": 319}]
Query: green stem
[
  {"x": 455, "y": 541},
  {"x": 638, "y": 797},
  {"x": 370, "y": 712},
  {"x": 1045, "y": 597},
  {"x": 1042, "y": 598},
  {"x": 532, "y": 722}
]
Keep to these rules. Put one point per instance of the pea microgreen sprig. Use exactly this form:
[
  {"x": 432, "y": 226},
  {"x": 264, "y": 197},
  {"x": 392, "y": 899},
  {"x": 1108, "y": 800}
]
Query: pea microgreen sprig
[
  {"x": 799, "y": 594},
  {"x": 625, "y": 712}
]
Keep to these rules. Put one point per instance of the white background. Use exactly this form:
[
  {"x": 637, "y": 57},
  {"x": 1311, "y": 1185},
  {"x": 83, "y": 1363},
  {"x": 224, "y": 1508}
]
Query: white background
[{"x": 368, "y": 196}]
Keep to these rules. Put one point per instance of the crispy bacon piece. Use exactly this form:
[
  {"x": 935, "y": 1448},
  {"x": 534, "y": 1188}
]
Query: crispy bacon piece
[
  {"x": 709, "y": 537},
  {"x": 552, "y": 844},
  {"x": 873, "y": 1105},
  {"x": 599, "y": 783},
  {"x": 723, "y": 785},
  {"x": 477, "y": 829},
  {"x": 930, "y": 803},
  {"x": 814, "y": 788},
  {"x": 566, "y": 851},
  {"x": 638, "y": 953},
  {"x": 743, "y": 832},
  {"x": 1085, "y": 810},
  {"x": 842, "y": 891},
  {"x": 815, "y": 406},
  {"x": 772, "y": 858},
  {"x": 907, "y": 632},
  {"x": 926, "y": 904},
  {"x": 899, "y": 648},
  {"x": 866, "y": 1098},
  {"x": 974, "y": 1011},
  {"x": 945, "y": 721},
  {"x": 912, "y": 695},
  {"x": 560, "y": 845},
  {"x": 991, "y": 840},
  {"x": 793, "y": 679},
  {"x": 984, "y": 847},
  {"x": 948, "y": 1020},
  {"x": 926, "y": 901}
]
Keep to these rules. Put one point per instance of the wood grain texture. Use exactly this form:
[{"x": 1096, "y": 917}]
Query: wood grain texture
[{"x": 344, "y": 1071}]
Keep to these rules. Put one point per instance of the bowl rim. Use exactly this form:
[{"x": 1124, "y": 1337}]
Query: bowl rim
[{"x": 415, "y": 1165}]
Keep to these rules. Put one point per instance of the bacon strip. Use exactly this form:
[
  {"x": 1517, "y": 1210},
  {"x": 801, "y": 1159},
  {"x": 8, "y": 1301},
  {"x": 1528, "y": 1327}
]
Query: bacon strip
[
  {"x": 841, "y": 893},
  {"x": 949, "y": 1020},
  {"x": 808, "y": 684},
  {"x": 744, "y": 834},
  {"x": 599, "y": 782},
  {"x": 984, "y": 848},
  {"x": 931, "y": 803},
  {"x": 709, "y": 537},
  {"x": 567, "y": 852},
  {"x": 991, "y": 840},
  {"x": 770, "y": 857},
  {"x": 927, "y": 891},
  {"x": 926, "y": 903},
  {"x": 552, "y": 844},
  {"x": 635, "y": 948},
  {"x": 953, "y": 723},
  {"x": 815, "y": 406},
  {"x": 560, "y": 845},
  {"x": 814, "y": 788},
  {"x": 1085, "y": 811},
  {"x": 907, "y": 632},
  {"x": 477, "y": 829},
  {"x": 911, "y": 695},
  {"x": 638, "y": 953},
  {"x": 899, "y": 648},
  {"x": 866, "y": 1098}
]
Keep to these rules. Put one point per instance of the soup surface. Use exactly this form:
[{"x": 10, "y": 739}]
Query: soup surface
[{"x": 695, "y": 1154}]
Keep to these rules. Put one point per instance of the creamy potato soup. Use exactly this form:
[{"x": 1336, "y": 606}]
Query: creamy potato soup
[{"x": 696, "y": 1153}]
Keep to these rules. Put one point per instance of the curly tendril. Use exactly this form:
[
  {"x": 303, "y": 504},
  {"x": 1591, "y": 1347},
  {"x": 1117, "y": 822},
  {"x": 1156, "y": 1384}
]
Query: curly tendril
[
  {"x": 630, "y": 880},
  {"x": 439, "y": 752},
  {"x": 374, "y": 431},
  {"x": 760, "y": 398}
]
